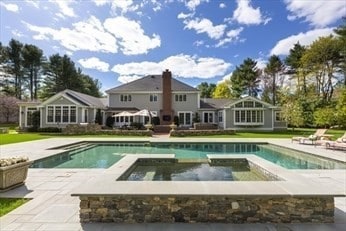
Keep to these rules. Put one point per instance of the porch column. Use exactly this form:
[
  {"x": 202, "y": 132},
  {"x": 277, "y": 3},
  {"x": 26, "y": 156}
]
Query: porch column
[
  {"x": 41, "y": 117},
  {"x": 20, "y": 116}
]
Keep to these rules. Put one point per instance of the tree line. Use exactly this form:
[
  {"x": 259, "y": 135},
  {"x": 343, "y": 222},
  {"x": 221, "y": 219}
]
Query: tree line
[
  {"x": 25, "y": 73},
  {"x": 309, "y": 83}
]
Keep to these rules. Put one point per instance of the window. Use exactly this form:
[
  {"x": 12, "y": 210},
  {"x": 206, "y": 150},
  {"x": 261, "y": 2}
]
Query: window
[
  {"x": 239, "y": 104},
  {"x": 50, "y": 114},
  {"x": 61, "y": 114},
  {"x": 153, "y": 97},
  {"x": 125, "y": 98},
  {"x": 279, "y": 116},
  {"x": 65, "y": 110},
  {"x": 57, "y": 114},
  {"x": 185, "y": 118},
  {"x": 248, "y": 104},
  {"x": 86, "y": 116},
  {"x": 257, "y": 104},
  {"x": 208, "y": 117},
  {"x": 248, "y": 117},
  {"x": 73, "y": 117},
  {"x": 180, "y": 98},
  {"x": 220, "y": 116}
]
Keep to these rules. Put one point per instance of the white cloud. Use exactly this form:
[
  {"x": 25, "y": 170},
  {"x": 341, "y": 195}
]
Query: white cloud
[
  {"x": 124, "y": 6},
  {"x": 226, "y": 78},
  {"x": 65, "y": 8},
  {"x": 222, "y": 5},
  {"x": 317, "y": 13},
  {"x": 128, "y": 78},
  {"x": 85, "y": 35},
  {"x": 184, "y": 16},
  {"x": 100, "y": 2},
  {"x": 94, "y": 63},
  {"x": 198, "y": 43},
  {"x": 35, "y": 4},
  {"x": 130, "y": 35},
  {"x": 261, "y": 63},
  {"x": 231, "y": 36},
  {"x": 192, "y": 4},
  {"x": 246, "y": 14},
  {"x": 17, "y": 33},
  {"x": 181, "y": 65},
  {"x": 283, "y": 46},
  {"x": 205, "y": 26},
  {"x": 10, "y": 7},
  {"x": 114, "y": 34}
]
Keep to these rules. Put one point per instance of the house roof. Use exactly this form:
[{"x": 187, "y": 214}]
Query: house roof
[
  {"x": 208, "y": 103},
  {"x": 150, "y": 83},
  {"x": 80, "y": 98},
  {"x": 252, "y": 99}
]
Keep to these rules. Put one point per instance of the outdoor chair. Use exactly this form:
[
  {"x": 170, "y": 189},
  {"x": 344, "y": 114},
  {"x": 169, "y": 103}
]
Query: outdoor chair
[
  {"x": 313, "y": 138},
  {"x": 340, "y": 143}
]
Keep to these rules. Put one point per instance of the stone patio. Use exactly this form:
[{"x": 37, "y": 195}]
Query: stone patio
[{"x": 52, "y": 207}]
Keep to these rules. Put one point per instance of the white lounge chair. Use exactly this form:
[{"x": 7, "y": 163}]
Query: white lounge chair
[{"x": 316, "y": 136}]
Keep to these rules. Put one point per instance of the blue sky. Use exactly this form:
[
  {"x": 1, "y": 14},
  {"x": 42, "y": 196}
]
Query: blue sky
[{"x": 198, "y": 40}]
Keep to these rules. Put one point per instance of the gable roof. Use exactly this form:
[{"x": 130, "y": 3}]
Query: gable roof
[
  {"x": 246, "y": 98},
  {"x": 209, "y": 103},
  {"x": 150, "y": 83},
  {"x": 77, "y": 97}
]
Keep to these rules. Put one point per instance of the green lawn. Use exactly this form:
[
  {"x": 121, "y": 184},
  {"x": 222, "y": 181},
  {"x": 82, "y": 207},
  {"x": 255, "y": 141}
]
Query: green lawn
[
  {"x": 21, "y": 137},
  {"x": 277, "y": 134},
  {"x": 9, "y": 204}
]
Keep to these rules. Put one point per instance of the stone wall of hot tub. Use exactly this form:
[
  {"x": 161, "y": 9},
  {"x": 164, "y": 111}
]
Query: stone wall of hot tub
[{"x": 191, "y": 209}]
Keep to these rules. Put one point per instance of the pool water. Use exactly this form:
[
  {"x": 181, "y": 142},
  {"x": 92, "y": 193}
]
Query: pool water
[
  {"x": 104, "y": 155},
  {"x": 192, "y": 172}
]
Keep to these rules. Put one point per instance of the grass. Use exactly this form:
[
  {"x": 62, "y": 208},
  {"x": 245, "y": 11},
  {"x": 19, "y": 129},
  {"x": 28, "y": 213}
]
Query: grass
[
  {"x": 9, "y": 204},
  {"x": 277, "y": 134},
  {"x": 23, "y": 137}
]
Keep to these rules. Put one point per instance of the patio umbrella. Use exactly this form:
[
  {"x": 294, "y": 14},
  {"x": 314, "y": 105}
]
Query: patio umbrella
[
  {"x": 145, "y": 112},
  {"x": 124, "y": 113}
]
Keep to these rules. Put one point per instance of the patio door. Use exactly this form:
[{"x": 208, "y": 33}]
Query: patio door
[{"x": 185, "y": 118}]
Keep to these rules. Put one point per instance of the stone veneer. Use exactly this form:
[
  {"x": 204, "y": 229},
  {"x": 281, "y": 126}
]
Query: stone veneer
[{"x": 192, "y": 209}]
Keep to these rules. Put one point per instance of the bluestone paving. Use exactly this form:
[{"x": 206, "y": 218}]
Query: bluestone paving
[{"x": 52, "y": 207}]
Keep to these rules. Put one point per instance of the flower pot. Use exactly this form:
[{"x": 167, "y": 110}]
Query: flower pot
[
  {"x": 148, "y": 126},
  {"x": 14, "y": 175},
  {"x": 173, "y": 126}
]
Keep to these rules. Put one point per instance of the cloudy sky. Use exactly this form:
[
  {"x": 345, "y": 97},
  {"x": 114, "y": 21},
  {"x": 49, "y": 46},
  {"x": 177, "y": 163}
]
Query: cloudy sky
[{"x": 198, "y": 40}]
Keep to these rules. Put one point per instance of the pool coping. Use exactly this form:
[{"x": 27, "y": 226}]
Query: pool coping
[{"x": 291, "y": 185}]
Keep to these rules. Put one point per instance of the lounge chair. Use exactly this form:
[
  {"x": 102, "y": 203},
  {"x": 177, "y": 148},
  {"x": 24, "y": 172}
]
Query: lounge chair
[
  {"x": 340, "y": 143},
  {"x": 316, "y": 136}
]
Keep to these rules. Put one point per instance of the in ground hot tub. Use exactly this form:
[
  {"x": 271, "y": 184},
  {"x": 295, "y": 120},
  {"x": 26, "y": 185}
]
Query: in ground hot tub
[
  {"x": 174, "y": 170},
  {"x": 283, "y": 197}
]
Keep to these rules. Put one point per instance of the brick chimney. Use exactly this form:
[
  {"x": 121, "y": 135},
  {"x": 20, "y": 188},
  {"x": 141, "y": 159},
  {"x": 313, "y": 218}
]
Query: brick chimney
[{"x": 166, "y": 111}]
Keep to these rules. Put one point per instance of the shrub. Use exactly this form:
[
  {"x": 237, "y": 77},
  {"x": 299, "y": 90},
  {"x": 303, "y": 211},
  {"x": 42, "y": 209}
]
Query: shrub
[
  {"x": 155, "y": 120},
  {"x": 176, "y": 120},
  {"x": 50, "y": 129},
  {"x": 183, "y": 133},
  {"x": 36, "y": 119},
  {"x": 110, "y": 121},
  {"x": 137, "y": 125},
  {"x": 98, "y": 117}
]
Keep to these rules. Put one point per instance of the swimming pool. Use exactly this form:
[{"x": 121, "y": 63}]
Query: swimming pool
[{"x": 104, "y": 155}]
